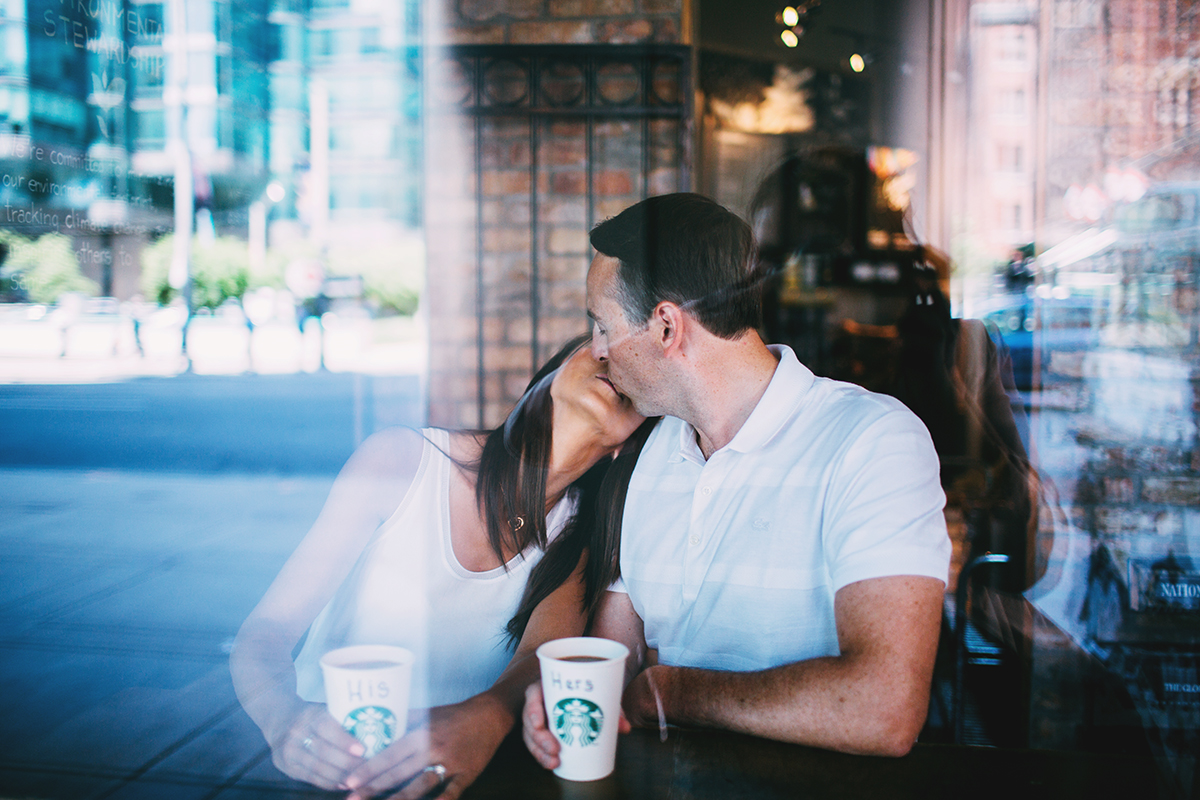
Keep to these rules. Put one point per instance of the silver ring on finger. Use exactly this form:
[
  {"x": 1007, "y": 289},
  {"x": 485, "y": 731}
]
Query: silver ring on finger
[
  {"x": 437, "y": 769},
  {"x": 307, "y": 743}
]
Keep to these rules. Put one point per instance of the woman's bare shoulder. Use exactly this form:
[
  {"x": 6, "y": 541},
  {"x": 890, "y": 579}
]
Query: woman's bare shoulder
[
  {"x": 388, "y": 453},
  {"x": 466, "y": 446}
]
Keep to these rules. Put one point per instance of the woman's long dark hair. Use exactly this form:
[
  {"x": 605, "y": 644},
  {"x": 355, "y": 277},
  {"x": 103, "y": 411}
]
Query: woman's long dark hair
[
  {"x": 510, "y": 483},
  {"x": 510, "y": 488},
  {"x": 595, "y": 527}
]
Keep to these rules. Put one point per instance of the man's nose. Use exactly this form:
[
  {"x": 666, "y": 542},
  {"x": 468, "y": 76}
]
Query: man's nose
[{"x": 599, "y": 352}]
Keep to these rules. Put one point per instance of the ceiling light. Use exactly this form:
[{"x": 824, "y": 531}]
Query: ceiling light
[
  {"x": 790, "y": 38},
  {"x": 856, "y": 63},
  {"x": 790, "y": 16}
]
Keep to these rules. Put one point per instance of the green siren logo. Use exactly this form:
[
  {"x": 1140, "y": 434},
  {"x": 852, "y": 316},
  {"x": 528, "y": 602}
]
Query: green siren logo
[
  {"x": 577, "y": 720},
  {"x": 373, "y": 726}
]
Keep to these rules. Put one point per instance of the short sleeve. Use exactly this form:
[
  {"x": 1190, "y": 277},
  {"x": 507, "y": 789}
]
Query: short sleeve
[{"x": 887, "y": 505}]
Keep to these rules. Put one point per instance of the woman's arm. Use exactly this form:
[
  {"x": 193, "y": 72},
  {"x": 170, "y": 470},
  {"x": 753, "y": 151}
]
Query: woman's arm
[
  {"x": 464, "y": 736},
  {"x": 366, "y": 492}
]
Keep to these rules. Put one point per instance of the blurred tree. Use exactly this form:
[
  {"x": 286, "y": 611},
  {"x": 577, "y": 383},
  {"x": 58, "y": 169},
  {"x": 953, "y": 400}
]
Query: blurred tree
[
  {"x": 10, "y": 280},
  {"x": 43, "y": 268},
  {"x": 220, "y": 270},
  {"x": 393, "y": 274}
]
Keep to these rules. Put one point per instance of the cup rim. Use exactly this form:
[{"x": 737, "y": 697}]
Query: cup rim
[
  {"x": 607, "y": 650},
  {"x": 342, "y": 656}
]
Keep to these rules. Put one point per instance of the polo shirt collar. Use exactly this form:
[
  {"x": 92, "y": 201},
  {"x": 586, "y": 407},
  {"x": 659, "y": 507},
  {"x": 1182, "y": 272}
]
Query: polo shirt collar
[{"x": 788, "y": 385}]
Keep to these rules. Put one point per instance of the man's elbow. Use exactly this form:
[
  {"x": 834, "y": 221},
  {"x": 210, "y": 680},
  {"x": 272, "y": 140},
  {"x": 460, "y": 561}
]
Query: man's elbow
[
  {"x": 895, "y": 746},
  {"x": 895, "y": 731},
  {"x": 885, "y": 720}
]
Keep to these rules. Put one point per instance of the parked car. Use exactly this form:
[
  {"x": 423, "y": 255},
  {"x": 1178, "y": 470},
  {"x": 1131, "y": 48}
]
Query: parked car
[{"x": 1032, "y": 324}]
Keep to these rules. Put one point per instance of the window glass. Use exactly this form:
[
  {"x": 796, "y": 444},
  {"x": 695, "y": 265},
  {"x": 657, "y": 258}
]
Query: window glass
[
  {"x": 1158, "y": 211},
  {"x": 211, "y": 264},
  {"x": 1086, "y": 276},
  {"x": 106, "y": 106}
]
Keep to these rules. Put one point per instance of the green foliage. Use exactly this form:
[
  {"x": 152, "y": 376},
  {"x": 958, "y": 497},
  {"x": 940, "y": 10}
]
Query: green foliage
[
  {"x": 156, "y": 266},
  {"x": 393, "y": 274},
  {"x": 10, "y": 278},
  {"x": 220, "y": 270},
  {"x": 45, "y": 267}
]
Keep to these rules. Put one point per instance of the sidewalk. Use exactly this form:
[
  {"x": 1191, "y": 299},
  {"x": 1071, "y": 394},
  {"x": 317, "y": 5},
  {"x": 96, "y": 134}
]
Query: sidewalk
[
  {"x": 119, "y": 598},
  {"x": 121, "y": 589},
  {"x": 35, "y": 347}
]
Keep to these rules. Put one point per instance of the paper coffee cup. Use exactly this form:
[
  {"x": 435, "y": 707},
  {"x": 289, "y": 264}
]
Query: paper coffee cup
[
  {"x": 366, "y": 691},
  {"x": 582, "y": 679}
]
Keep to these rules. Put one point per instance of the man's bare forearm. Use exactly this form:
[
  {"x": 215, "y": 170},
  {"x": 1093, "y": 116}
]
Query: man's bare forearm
[
  {"x": 870, "y": 699},
  {"x": 819, "y": 703}
]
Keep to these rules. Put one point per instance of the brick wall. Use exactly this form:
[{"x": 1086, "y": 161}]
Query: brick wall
[
  {"x": 560, "y": 21},
  {"x": 497, "y": 305},
  {"x": 1121, "y": 79}
]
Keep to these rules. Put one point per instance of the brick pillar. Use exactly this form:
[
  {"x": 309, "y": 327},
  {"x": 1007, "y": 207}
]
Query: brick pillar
[{"x": 463, "y": 306}]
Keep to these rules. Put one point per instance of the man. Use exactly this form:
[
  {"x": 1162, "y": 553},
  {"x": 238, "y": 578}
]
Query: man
[{"x": 783, "y": 550}]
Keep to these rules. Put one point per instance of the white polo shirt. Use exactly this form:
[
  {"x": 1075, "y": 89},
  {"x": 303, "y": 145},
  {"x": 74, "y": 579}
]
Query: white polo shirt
[{"x": 733, "y": 563}]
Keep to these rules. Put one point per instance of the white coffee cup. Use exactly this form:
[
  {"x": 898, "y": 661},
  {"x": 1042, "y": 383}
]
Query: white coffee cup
[
  {"x": 366, "y": 691},
  {"x": 582, "y": 680}
]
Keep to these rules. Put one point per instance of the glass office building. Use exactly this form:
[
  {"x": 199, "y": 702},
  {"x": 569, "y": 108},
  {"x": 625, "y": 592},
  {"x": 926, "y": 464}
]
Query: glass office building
[{"x": 98, "y": 99}]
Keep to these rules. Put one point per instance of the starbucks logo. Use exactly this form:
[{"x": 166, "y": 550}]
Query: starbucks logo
[
  {"x": 373, "y": 726},
  {"x": 577, "y": 721}
]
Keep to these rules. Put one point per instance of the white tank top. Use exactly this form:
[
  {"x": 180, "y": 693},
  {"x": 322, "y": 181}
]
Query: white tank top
[{"x": 408, "y": 589}]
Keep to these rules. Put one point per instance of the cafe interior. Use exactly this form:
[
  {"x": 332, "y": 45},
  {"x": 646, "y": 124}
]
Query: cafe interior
[
  {"x": 989, "y": 210},
  {"x": 985, "y": 209}
]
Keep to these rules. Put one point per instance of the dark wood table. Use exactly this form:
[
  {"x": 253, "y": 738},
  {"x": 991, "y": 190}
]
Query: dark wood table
[{"x": 704, "y": 765}]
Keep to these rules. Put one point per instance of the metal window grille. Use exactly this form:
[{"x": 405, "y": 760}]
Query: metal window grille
[{"x": 533, "y": 88}]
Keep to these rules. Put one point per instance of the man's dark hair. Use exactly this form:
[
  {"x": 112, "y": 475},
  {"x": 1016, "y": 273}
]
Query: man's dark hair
[{"x": 689, "y": 250}]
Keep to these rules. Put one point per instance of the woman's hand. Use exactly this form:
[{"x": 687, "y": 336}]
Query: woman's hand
[
  {"x": 462, "y": 738},
  {"x": 539, "y": 741},
  {"x": 535, "y": 731},
  {"x": 315, "y": 749}
]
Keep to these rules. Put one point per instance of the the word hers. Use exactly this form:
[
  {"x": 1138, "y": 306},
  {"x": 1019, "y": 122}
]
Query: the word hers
[{"x": 569, "y": 684}]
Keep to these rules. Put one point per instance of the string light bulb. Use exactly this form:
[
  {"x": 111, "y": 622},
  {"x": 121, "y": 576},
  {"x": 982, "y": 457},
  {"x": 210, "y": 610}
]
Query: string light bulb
[
  {"x": 857, "y": 63},
  {"x": 791, "y": 18}
]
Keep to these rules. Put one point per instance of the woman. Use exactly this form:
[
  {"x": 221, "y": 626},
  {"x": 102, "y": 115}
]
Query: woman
[{"x": 433, "y": 540}]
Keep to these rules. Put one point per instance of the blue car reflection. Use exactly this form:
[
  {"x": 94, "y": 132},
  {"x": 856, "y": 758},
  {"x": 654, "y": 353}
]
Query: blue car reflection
[{"x": 1033, "y": 328}]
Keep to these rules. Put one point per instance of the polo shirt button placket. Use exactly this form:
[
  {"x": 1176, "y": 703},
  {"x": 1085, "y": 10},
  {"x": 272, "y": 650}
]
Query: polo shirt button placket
[
  {"x": 694, "y": 538},
  {"x": 692, "y": 569}
]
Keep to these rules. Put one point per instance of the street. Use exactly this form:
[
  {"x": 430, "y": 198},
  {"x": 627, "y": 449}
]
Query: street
[
  {"x": 145, "y": 514},
  {"x": 298, "y": 423}
]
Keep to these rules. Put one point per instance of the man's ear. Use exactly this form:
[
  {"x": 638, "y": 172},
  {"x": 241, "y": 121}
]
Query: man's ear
[{"x": 670, "y": 322}]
